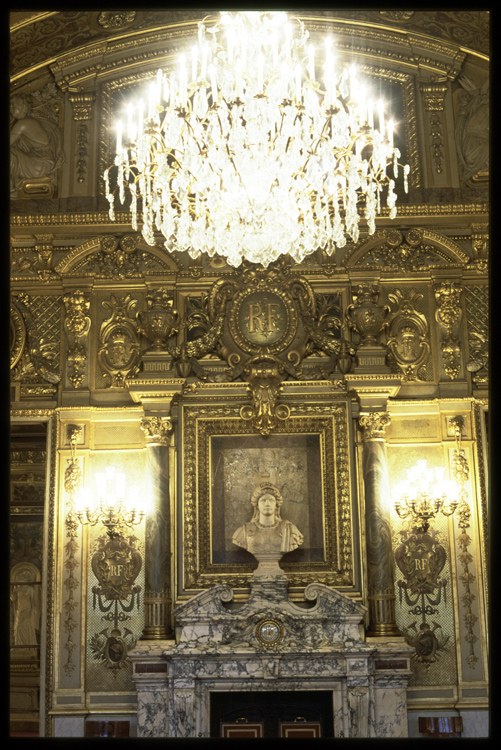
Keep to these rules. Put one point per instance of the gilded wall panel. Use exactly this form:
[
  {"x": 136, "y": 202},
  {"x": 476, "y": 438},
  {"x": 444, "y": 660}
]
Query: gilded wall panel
[
  {"x": 114, "y": 589},
  {"x": 434, "y": 659}
]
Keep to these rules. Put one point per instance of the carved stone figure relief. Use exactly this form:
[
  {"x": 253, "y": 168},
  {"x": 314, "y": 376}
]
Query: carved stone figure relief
[
  {"x": 472, "y": 134},
  {"x": 267, "y": 535},
  {"x": 36, "y": 150},
  {"x": 26, "y": 603}
]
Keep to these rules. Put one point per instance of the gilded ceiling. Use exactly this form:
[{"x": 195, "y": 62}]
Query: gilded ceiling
[{"x": 37, "y": 38}]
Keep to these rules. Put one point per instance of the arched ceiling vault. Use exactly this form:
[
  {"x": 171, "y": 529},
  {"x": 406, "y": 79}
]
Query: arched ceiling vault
[{"x": 111, "y": 41}]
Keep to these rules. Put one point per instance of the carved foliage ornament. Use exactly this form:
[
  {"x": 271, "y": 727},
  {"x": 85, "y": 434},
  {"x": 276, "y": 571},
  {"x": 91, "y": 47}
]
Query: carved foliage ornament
[
  {"x": 77, "y": 325},
  {"x": 449, "y": 314},
  {"x": 156, "y": 429},
  {"x": 408, "y": 335},
  {"x": 374, "y": 424},
  {"x": 409, "y": 250}
]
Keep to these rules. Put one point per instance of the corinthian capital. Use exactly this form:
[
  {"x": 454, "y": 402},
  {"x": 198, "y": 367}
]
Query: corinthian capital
[
  {"x": 373, "y": 424},
  {"x": 156, "y": 429}
]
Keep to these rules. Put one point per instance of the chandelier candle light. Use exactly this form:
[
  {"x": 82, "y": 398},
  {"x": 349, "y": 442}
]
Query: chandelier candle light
[
  {"x": 110, "y": 505},
  {"x": 255, "y": 145},
  {"x": 424, "y": 494}
]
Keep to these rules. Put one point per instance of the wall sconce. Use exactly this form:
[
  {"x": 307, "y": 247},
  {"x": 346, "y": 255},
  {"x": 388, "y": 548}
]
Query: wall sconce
[
  {"x": 111, "y": 505},
  {"x": 424, "y": 494}
]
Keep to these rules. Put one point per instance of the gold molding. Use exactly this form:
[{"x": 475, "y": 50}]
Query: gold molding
[
  {"x": 329, "y": 421},
  {"x": 124, "y": 219}
]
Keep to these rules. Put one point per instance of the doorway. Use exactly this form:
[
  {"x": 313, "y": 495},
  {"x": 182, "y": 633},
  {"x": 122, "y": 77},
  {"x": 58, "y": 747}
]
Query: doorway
[{"x": 271, "y": 709}]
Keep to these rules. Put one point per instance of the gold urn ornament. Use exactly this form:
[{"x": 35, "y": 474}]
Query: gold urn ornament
[
  {"x": 160, "y": 321},
  {"x": 365, "y": 315}
]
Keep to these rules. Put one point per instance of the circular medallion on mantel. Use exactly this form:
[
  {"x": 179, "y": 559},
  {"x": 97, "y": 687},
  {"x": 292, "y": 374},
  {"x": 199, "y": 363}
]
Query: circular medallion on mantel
[
  {"x": 269, "y": 632},
  {"x": 263, "y": 320}
]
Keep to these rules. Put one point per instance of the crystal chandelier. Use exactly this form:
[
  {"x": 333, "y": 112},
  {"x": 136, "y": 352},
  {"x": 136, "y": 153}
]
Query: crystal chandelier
[
  {"x": 255, "y": 145},
  {"x": 424, "y": 494}
]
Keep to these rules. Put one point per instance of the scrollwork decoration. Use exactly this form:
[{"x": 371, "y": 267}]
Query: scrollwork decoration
[
  {"x": 408, "y": 335},
  {"x": 118, "y": 353}
]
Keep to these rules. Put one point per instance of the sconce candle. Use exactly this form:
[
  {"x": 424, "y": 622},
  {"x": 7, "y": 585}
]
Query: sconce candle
[{"x": 424, "y": 494}]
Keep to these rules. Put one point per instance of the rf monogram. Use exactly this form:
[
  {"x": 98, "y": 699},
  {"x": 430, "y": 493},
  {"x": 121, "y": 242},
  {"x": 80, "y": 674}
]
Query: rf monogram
[{"x": 262, "y": 317}]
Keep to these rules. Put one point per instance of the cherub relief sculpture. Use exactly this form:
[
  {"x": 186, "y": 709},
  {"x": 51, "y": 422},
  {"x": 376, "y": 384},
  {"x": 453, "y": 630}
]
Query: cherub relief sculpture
[{"x": 267, "y": 532}]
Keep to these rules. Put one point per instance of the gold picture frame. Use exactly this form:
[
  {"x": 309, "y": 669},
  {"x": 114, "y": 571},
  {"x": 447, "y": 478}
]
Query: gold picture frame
[{"x": 308, "y": 459}]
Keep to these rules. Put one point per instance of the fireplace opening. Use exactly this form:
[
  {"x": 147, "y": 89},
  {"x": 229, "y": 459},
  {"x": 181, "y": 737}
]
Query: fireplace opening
[{"x": 289, "y": 713}]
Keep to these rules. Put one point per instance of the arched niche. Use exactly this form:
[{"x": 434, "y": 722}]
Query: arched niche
[
  {"x": 405, "y": 249},
  {"x": 74, "y": 262}
]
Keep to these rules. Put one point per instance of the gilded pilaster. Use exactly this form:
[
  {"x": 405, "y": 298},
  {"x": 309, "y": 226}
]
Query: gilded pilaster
[
  {"x": 157, "y": 599},
  {"x": 381, "y": 589}
]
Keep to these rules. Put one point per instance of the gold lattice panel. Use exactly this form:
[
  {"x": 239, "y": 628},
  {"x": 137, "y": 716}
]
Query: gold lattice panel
[
  {"x": 477, "y": 308},
  {"x": 47, "y": 314}
]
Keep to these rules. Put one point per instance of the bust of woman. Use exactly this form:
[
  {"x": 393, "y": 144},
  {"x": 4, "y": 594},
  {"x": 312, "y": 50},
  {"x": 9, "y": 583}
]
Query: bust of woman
[{"x": 267, "y": 532}]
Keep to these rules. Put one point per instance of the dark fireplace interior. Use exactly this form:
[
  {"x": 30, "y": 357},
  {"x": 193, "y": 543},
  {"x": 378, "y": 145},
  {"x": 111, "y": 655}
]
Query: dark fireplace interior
[{"x": 271, "y": 708}]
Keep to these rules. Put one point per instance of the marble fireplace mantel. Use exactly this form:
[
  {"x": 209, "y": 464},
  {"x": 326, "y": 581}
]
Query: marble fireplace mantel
[{"x": 271, "y": 644}]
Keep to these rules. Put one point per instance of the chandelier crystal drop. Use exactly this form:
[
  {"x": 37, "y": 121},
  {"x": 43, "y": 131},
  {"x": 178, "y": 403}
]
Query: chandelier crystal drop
[{"x": 255, "y": 145}]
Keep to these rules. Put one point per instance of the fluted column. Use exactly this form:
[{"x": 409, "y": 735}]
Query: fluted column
[
  {"x": 157, "y": 599},
  {"x": 381, "y": 587}
]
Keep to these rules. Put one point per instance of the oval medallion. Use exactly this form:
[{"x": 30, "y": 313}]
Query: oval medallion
[{"x": 269, "y": 632}]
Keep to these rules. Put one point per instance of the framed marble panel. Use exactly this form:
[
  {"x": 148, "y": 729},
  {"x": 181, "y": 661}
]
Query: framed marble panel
[{"x": 307, "y": 458}]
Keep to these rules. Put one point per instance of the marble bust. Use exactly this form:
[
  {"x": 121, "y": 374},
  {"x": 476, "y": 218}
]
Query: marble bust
[{"x": 267, "y": 532}]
